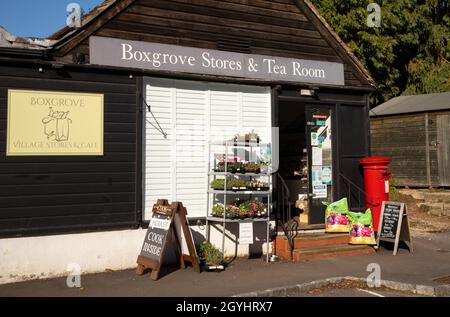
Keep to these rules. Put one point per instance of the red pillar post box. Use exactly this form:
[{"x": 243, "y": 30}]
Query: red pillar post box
[{"x": 376, "y": 184}]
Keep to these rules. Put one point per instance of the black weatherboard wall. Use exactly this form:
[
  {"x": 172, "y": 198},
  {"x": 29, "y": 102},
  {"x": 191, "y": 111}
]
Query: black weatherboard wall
[
  {"x": 49, "y": 194},
  {"x": 354, "y": 144}
]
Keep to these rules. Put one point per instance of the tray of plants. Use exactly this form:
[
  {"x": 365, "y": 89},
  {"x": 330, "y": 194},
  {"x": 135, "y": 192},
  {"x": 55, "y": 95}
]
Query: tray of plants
[{"x": 240, "y": 209}]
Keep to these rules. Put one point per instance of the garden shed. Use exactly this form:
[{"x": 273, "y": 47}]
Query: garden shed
[{"x": 414, "y": 131}]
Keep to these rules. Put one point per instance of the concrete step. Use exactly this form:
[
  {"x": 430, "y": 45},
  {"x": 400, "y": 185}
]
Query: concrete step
[
  {"x": 435, "y": 208},
  {"x": 310, "y": 240},
  {"x": 317, "y": 240},
  {"x": 328, "y": 251}
]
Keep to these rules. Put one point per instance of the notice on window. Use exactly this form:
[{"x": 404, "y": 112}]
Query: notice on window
[
  {"x": 320, "y": 191},
  {"x": 317, "y": 156},
  {"x": 246, "y": 233},
  {"x": 327, "y": 175},
  {"x": 316, "y": 175},
  {"x": 54, "y": 123},
  {"x": 314, "y": 139}
]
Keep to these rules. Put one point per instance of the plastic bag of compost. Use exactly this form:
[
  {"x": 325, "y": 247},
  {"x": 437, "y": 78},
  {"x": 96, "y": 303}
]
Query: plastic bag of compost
[
  {"x": 336, "y": 219},
  {"x": 361, "y": 231}
]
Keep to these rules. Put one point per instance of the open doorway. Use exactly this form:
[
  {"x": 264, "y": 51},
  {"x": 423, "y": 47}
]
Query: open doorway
[{"x": 305, "y": 155}]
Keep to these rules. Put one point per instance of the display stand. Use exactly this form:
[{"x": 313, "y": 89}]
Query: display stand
[{"x": 227, "y": 195}]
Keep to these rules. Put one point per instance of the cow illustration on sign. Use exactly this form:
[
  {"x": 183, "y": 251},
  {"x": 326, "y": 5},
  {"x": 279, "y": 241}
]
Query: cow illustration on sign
[{"x": 57, "y": 125}]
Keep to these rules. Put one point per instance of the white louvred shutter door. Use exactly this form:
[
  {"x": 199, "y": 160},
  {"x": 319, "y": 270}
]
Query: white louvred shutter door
[
  {"x": 191, "y": 146},
  {"x": 157, "y": 149},
  {"x": 192, "y": 114}
]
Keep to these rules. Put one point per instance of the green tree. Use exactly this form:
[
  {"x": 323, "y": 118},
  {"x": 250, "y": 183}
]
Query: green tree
[{"x": 409, "y": 53}]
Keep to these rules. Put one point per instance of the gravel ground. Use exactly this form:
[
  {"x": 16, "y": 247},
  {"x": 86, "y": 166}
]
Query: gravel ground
[
  {"x": 419, "y": 219},
  {"x": 348, "y": 288}
]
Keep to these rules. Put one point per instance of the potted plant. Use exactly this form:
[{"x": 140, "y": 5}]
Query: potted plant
[
  {"x": 218, "y": 210},
  {"x": 246, "y": 138},
  {"x": 264, "y": 167},
  {"x": 218, "y": 184},
  {"x": 237, "y": 184},
  {"x": 252, "y": 168},
  {"x": 233, "y": 164},
  {"x": 257, "y": 208},
  {"x": 210, "y": 256},
  {"x": 259, "y": 186},
  {"x": 252, "y": 137},
  {"x": 233, "y": 211},
  {"x": 238, "y": 138},
  {"x": 220, "y": 167}
]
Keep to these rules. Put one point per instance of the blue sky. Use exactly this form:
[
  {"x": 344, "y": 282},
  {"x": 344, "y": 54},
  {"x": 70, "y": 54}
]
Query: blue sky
[{"x": 38, "y": 18}]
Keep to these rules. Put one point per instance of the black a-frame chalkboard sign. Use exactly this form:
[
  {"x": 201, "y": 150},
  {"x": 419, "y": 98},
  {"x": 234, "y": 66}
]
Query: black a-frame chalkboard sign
[
  {"x": 394, "y": 225},
  {"x": 168, "y": 223}
]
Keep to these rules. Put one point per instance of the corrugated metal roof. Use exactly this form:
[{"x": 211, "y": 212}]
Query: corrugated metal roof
[{"x": 414, "y": 103}]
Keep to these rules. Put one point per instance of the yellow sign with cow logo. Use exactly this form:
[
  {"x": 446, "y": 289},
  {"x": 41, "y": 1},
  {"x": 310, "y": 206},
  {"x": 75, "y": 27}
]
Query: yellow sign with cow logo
[{"x": 54, "y": 123}]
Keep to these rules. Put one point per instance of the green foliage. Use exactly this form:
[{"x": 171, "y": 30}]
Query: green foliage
[
  {"x": 393, "y": 191},
  {"x": 217, "y": 210},
  {"x": 408, "y": 54},
  {"x": 210, "y": 254},
  {"x": 219, "y": 184}
]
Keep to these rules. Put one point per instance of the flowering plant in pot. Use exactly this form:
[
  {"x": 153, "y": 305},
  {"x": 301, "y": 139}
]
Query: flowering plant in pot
[
  {"x": 257, "y": 208},
  {"x": 210, "y": 256},
  {"x": 233, "y": 211},
  {"x": 246, "y": 211},
  {"x": 233, "y": 164}
]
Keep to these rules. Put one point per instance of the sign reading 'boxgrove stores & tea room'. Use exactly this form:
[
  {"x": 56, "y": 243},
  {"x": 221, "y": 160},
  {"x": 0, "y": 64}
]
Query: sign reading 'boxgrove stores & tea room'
[
  {"x": 155, "y": 56},
  {"x": 54, "y": 123}
]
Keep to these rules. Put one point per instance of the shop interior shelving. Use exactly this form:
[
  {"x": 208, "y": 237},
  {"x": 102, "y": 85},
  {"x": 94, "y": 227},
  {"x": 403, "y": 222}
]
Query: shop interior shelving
[{"x": 226, "y": 150}]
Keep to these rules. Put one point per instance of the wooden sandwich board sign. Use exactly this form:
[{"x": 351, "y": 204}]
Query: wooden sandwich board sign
[
  {"x": 394, "y": 225},
  {"x": 168, "y": 223}
]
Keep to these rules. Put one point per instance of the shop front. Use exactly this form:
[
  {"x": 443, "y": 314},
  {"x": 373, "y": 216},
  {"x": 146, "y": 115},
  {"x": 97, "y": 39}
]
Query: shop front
[{"x": 153, "y": 108}]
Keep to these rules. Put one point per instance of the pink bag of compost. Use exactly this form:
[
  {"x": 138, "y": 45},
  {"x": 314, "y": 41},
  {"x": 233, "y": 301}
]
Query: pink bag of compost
[
  {"x": 336, "y": 219},
  {"x": 361, "y": 231}
]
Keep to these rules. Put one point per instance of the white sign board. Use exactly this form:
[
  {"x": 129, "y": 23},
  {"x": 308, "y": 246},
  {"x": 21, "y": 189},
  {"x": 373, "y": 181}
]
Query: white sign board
[
  {"x": 159, "y": 223},
  {"x": 246, "y": 233}
]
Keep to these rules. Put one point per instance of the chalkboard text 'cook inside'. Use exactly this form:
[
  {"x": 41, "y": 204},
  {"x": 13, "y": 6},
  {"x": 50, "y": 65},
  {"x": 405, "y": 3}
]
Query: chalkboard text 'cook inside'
[{"x": 155, "y": 248}]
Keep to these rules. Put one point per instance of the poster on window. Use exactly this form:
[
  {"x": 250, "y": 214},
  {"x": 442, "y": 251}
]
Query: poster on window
[
  {"x": 314, "y": 139},
  {"x": 316, "y": 156},
  {"x": 327, "y": 175},
  {"x": 320, "y": 191},
  {"x": 316, "y": 175}
]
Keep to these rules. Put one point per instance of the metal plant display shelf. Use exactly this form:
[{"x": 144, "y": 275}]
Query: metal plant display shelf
[{"x": 239, "y": 184}]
